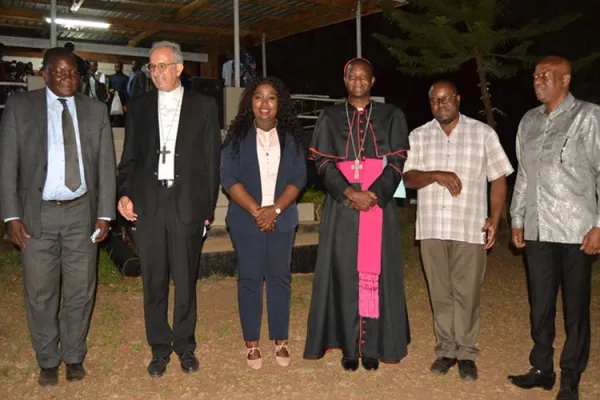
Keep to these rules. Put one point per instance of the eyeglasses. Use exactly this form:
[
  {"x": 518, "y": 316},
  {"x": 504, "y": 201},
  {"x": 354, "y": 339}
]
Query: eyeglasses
[
  {"x": 546, "y": 75},
  {"x": 161, "y": 67},
  {"x": 442, "y": 100},
  {"x": 62, "y": 76}
]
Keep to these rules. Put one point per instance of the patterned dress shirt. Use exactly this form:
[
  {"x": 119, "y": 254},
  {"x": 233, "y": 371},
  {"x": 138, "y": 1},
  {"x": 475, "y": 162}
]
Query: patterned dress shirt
[
  {"x": 473, "y": 152},
  {"x": 555, "y": 195}
]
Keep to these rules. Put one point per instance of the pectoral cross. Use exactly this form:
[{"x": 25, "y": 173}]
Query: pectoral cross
[
  {"x": 164, "y": 153},
  {"x": 357, "y": 166}
]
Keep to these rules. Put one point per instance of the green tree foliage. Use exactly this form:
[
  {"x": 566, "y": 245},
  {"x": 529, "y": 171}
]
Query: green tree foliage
[{"x": 439, "y": 36}]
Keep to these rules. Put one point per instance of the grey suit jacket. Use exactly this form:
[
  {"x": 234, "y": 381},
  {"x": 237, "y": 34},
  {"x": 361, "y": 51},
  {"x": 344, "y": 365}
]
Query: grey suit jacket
[{"x": 24, "y": 158}]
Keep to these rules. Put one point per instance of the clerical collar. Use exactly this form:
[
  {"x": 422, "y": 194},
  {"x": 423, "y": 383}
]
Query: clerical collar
[
  {"x": 173, "y": 93},
  {"x": 360, "y": 108}
]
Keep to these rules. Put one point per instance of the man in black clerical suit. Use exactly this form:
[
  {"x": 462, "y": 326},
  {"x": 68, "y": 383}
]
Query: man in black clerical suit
[{"x": 168, "y": 183}]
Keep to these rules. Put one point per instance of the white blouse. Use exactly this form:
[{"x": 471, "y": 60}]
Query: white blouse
[{"x": 269, "y": 155}]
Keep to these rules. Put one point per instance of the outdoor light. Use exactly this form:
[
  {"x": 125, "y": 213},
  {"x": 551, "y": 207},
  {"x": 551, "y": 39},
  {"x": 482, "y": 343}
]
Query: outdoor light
[
  {"x": 76, "y": 5},
  {"x": 79, "y": 23}
]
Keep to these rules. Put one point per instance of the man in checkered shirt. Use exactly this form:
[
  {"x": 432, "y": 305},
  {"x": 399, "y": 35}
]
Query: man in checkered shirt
[{"x": 450, "y": 161}]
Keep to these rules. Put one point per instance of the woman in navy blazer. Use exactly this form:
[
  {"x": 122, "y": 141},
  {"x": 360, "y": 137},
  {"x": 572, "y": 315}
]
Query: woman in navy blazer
[{"x": 263, "y": 169}]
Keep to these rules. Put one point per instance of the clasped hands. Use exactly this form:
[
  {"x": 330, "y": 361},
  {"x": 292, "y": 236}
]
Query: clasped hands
[
  {"x": 265, "y": 218},
  {"x": 361, "y": 200}
]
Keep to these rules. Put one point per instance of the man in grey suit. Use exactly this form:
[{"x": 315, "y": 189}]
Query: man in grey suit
[{"x": 57, "y": 189}]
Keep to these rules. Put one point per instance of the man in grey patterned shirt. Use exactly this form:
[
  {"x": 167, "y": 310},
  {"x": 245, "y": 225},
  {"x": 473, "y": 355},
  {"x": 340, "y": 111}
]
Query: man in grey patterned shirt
[{"x": 556, "y": 218}]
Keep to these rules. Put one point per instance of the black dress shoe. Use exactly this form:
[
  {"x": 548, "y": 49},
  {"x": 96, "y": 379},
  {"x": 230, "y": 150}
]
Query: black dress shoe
[
  {"x": 75, "y": 372},
  {"x": 534, "y": 378},
  {"x": 370, "y": 364},
  {"x": 350, "y": 364},
  {"x": 467, "y": 370},
  {"x": 442, "y": 364},
  {"x": 568, "y": 393},
  {"x": 189, "y": 362},
  {"x": 48, "y": 376},
  {"x": 158, "y": 366}
]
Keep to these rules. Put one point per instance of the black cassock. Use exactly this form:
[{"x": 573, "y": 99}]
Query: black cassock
[{"x": 334, "y": 321}]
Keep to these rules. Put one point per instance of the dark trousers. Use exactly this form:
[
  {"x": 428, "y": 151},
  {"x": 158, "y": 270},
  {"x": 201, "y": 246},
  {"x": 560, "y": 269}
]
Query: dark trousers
[
  {"x": 264, "y": 257},
  {"x": 63, "y": 252},
  {"x": 169, "y": 248},
  {"x": 549, "y": 266}
]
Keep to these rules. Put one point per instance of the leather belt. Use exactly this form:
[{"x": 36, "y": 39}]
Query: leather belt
[
  {"x": 166, "y": 183},
  {"x": 65, "y": 202}
]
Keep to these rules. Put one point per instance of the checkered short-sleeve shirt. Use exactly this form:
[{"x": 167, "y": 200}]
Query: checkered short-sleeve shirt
[{"x": 473, "y": 152}]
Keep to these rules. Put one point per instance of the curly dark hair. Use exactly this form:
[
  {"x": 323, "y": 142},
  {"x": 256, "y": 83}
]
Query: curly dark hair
[{"x": 287, "y": 119}]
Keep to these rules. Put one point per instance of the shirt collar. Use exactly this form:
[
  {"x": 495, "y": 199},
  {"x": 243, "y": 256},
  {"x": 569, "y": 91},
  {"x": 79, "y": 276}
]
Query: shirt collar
[
  {"x": 52, "y": 98},
  {"x": 173, "y": 93},
  {"x": 461, "y": 121},
  {"x": 262, "y": 132},
  {"x": 564, "y": 106}
]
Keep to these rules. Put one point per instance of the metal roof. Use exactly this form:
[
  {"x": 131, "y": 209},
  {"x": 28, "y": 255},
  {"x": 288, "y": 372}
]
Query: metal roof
[{"x": 199, "y": 25}]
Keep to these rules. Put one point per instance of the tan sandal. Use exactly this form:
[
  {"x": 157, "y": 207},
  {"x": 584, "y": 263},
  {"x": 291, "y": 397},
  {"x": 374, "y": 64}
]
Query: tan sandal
[
  {"x": 282, "y": 361},
  {"x": 253, "y": 363}
]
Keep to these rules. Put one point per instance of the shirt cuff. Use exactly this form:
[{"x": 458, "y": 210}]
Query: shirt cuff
[
  {"x": 10, "y": 219},
  {"x": 517, "y": 222},
  {"x": 105, "y": 218},
  {"x": 597, "y": 224}
]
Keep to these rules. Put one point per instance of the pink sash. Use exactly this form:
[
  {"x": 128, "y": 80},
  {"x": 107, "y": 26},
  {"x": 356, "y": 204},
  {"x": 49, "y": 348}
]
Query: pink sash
[{"x": 370, "y": 227}]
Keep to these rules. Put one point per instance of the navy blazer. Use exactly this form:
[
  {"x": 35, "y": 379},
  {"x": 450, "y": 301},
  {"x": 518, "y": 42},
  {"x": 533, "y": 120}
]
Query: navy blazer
[{"x": 244, "y": 169}]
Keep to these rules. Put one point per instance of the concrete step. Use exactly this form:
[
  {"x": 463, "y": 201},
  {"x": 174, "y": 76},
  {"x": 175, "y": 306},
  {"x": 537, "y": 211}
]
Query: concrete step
[
  {"x": 223, "y": 244},
  {"x": 306, "y": 211},
  {"x": 218, "y": 257},
  {"x": 219, "y": 231}
]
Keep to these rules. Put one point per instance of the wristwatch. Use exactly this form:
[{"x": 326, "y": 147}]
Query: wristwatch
[{"x": 277, "y": 210}]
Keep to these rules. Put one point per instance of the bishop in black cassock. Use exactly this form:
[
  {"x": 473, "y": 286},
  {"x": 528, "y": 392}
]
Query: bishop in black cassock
[{"x": 358, "y": 303}]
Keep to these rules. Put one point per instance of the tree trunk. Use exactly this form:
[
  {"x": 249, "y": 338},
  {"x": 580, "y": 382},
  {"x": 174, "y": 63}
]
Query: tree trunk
[{"x": 485, "y": 94}]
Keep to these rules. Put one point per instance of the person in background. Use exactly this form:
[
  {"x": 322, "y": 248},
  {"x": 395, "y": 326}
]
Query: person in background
[
  {"x": 94, "y": 84},
  {"x": 263, "y": 169},
  {"x": 82, "y": 66},
  {"x": 138, "y": 80},
  {"x": 227, "y": 71},
  {"x": 117, "y": 86},
  {"x": 29, "y": 69},
  {"x": 247, "y": 64}
]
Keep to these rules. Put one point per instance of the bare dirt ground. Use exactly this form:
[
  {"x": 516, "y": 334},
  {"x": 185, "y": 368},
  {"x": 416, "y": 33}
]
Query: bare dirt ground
[{"x": 118, "y": 353}]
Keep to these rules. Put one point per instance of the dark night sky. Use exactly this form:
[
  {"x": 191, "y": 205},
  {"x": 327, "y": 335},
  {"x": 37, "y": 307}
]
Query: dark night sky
[{"x": 313, "y": 62}]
